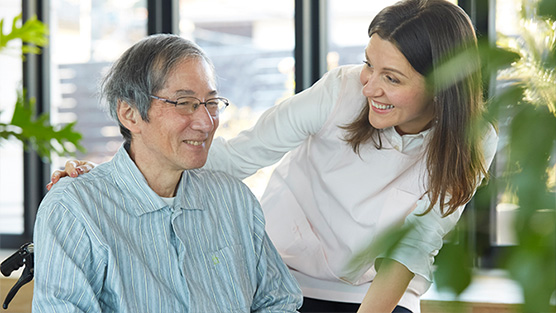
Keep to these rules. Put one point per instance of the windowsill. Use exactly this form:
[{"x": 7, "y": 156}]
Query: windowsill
[
  {"x": 487, "y": 286},
  {"x": 492, "y": 286}
]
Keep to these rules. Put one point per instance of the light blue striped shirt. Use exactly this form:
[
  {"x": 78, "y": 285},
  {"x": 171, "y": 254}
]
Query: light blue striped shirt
[{"x": 107, "y": 242}]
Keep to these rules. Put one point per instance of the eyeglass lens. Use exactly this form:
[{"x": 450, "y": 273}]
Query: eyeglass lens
[{"x": 190, "y": 105}]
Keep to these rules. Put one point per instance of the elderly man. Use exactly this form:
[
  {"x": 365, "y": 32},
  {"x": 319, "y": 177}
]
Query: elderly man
[{"x": 149, "y": 231}]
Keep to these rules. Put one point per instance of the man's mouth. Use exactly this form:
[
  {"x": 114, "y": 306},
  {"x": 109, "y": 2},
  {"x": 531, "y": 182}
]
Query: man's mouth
[
  {"x": 194, "y": 142},
  {"x": 381, "y": 106}
]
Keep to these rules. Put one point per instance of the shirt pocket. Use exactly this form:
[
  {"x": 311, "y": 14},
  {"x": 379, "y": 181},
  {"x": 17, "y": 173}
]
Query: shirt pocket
[{"x": 230, "y": 280}]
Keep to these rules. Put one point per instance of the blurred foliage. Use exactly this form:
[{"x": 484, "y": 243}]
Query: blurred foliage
[
  {"x": 383, "y": 245},
  {"x": 525, "y": 67},
  {"x": 34, "y": 131},
  {"x": 33, "y": 34},
  {"x": 531, "y": 97},
  {"x": 37, "y": 132}
]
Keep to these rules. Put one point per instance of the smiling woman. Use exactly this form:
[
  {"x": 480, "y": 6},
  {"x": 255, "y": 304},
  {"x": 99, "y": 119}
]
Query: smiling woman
[
  {"x": 367, "y": 151},
  {"x": 396, "y": 92}
]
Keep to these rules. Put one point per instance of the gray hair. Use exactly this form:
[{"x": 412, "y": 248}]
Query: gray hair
[{"x": 142, "y": 70}]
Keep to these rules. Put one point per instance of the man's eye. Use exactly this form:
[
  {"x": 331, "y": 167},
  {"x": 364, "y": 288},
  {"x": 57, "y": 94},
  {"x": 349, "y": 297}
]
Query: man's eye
[{"x": 186, "y": 103}]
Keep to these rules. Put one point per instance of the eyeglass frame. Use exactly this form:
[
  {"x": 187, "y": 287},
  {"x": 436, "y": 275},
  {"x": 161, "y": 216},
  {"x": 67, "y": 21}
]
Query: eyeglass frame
[{"x": 175, "y": 102}]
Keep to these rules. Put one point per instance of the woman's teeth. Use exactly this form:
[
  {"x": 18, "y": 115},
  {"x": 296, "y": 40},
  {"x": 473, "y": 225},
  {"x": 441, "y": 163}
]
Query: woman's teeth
[
  {"x": 195, "y": 143},
  {"x": 381, "y": 106}
]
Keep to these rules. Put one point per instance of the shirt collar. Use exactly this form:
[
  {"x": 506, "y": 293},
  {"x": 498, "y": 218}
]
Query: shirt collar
[
  {"x": 130, "y": 179},
  {"x": 408, "y": 143},
  {"x": 190, "y": 194}
]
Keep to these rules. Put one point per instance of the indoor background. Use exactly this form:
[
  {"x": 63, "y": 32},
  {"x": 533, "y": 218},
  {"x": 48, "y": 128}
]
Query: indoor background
[{"x": 263, "y": 51}]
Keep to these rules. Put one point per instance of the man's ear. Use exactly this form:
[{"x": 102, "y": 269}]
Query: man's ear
[{"x": 129, "y": 116}]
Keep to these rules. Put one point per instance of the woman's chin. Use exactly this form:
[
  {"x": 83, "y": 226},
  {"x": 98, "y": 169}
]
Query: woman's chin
[{"x": 378, "y": 124}]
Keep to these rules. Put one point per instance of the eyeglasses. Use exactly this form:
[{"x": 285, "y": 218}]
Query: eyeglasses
[{"x": 187, "y": 105}]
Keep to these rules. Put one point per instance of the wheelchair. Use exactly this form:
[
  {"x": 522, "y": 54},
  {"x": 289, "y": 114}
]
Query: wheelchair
[{"x": 22, "y": 257}]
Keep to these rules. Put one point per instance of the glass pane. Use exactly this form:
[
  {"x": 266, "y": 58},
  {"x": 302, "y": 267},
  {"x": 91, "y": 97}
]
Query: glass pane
[
  {"x": 251, "y": 45},
  {"x": 87, "y": 36},
  {"x": 347, "y": 28},
  {"x": 11, "y": 152},
  {"x": 507, "y": 24}
]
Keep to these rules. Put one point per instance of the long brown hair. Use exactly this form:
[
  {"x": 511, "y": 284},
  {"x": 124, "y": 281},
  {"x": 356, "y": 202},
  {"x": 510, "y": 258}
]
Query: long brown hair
[{"x": 427, "y": 32}]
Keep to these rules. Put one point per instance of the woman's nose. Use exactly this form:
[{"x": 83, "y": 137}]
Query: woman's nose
[{"x": 371, "y": 85}]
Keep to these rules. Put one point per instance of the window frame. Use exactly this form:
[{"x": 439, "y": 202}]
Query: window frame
[
  {"x": 310, "y": 54},
  {"x": 36, "y": 172}
]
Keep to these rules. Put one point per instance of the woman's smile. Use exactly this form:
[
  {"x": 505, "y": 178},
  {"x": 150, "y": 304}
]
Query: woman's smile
[{"x": 381, "y": 107}]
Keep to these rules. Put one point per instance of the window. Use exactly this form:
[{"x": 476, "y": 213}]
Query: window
[
  {"x": 251, "y": 45},
  {"x": 11, "y": 152},
  {"x": 347, "y": 29},
  {"x": 86, "y": 37},
  {"x": 507, "y": 24}
]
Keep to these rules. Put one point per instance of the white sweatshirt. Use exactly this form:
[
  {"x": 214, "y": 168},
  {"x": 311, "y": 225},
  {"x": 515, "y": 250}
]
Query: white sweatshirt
[{"x": 324, "y": 203}]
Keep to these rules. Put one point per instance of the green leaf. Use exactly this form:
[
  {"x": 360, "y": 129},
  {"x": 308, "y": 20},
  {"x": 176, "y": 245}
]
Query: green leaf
[
  {"x": 465, "y": 61},
  {"x": 454, "y": 268},
  {"x": 33, "y": 34},
  {"x": 547, "y": 9},
  {"x": 38, "y": 134},
  {"x": 494, "y": 57},
  {"x": 385, "y": 244},
  {"x": 532, "y": 263}
]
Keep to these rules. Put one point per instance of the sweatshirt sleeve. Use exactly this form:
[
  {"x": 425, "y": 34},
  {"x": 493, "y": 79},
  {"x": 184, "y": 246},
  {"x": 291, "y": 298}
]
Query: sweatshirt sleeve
[{"x": 279, "y": 130}]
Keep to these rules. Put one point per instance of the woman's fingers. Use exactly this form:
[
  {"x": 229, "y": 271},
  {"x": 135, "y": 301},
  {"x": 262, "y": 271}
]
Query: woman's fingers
[
  {"x": 73, "y": 168},
  {"x": 55, "y": 178},
  {"x": 57, "y": 175}
]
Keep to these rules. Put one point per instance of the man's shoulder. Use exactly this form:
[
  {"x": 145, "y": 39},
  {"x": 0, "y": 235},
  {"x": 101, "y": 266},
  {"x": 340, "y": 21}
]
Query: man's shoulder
[
  {"x": 66, "y": 191},
  {"x": 219, "y": 181},
  {"x": 97, "y": 176},
  {"x": 209, "y": 175}
]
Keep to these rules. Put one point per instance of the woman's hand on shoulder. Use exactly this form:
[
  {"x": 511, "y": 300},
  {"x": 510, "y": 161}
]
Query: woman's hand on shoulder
[{"x": 73, "y": 168}]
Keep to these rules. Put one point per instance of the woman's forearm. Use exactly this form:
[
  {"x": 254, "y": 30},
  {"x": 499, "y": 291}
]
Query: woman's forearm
[{"x": 387, "y": 288}]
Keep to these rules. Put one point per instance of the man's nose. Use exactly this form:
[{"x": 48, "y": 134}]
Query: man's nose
[{"x": 202, "y": 120}]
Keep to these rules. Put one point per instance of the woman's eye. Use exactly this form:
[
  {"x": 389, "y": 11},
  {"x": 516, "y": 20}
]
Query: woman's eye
[
  {"x": 392, "y": 79},
  {"x": 367, "y": 63}
]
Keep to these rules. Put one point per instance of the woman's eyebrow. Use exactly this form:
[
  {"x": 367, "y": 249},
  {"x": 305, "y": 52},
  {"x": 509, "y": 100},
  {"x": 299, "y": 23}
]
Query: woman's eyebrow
[{"x": 389, "y": 69}]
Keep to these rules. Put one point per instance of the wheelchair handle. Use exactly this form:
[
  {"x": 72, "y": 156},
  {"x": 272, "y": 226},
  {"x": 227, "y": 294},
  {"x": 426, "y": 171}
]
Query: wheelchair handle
[
  {"x": 16, "y": 260},
  {"x": 22, "y": 257}
]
